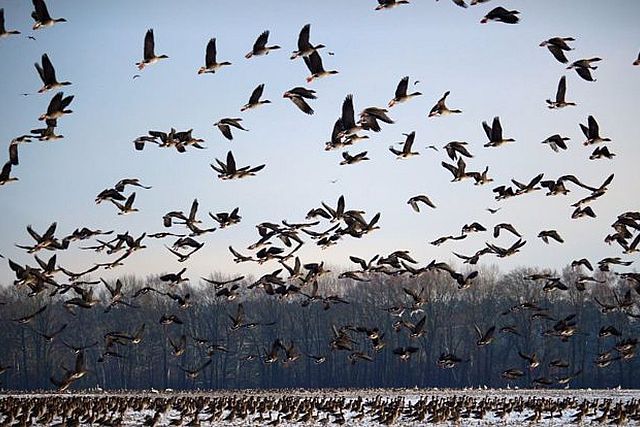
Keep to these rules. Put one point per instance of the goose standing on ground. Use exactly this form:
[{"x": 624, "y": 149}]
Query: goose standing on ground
[
  {"x": 314, "y": 64},
  {"x": 149, "y": 55},
  {"x": 592, "y": 132},
  {"x": 390, "y": 4},
  {"x": 494, "y": 133},
  {"x": 254, "y": 99},
  {"x": 406, "y": 147},
  {"x": 57, "y": 107},
  {"x": 42, "y": 17},
  {"x": 260, "y": 46},
  {"x": 297, "y": 95},
  {"x": 48, "y": 75},
  {"x": 500, "y": 14},
  {"x": 401, "y": 92},
  {"x": 440, "y": 109},
  {"x": 210, "y": 63},
  {"x": 560, "y": 95},
  {"x": 224, "y": 125},
  {"x": 305, "y": 48},
  {"x": 583, "y": 67},
  {"x": 3, "y": 31},
  {"x": 557, "y": 46}
]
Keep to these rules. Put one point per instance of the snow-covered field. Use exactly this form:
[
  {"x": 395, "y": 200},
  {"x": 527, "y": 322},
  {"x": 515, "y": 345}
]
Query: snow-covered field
[{"x": 406, "y": 407}]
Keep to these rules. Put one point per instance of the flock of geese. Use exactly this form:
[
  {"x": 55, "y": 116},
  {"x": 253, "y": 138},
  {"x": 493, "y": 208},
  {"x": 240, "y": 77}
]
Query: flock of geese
[{"x": 325, "y": 225}]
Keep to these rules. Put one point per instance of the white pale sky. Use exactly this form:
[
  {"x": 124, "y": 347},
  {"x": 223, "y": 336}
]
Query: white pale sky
[{"x": 491, "y": 70}]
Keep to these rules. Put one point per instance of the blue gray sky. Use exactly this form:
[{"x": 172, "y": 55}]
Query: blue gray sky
[{"x": 491, "y": 70}]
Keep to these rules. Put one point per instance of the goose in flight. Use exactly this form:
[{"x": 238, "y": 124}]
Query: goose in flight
[
  {"x": 348, "y": 121},
  {"x": 557, "y": 46},
  {"x": 370, "y": 116},
  {"x": 601, "y": 152},
  {"x": 440, "y": 109},
  {"x": 3, "y": 30},
  {"x": 481, "y": 178},
  {"x": 583, "y": 67},
  {"x": 500, "y": 14},
  {"x": 224, "y": 125},
  {"x": 211, "y": 65},
  {"x": 260, "y": 46},
  {"x": 401, "y": 92},
  {"x": 504, "y": 226},
  {"x": 297, "y": 95},
  {"x": 57, "y": 107},
  {"x": 527, "y": 188},
  {"x": 406, "y": 147},
  {"x": 455, "y": 148},
  {"x": 494, "y": 133},
  {"x": 149, "y": 56},
  {"x": 502, "y": 252},
  {"x": 229, "y": 170},
  {"x": 556, "y": 142},
  {"x": 420, "y": 198},
  {"x": 5, "y": 174},
  {"x": 560, "y": 96},
  {"x": 127, "y": 208},
  {"x": 120, "y": 185},
  {"x": 48, "y": 75},
  {"x": 254, "y": 99},
  {"x": 41, "y": 16},
  {"x": 305, "y": 48},
  {"x": 459, "y": 172},
  {"x": 314, "y": 64},
  {"x": 350, "y": 160},
  {"x": 592, "y": 132},
  {"x": 390, "y": 4},
  {"x": 225, "y": 219},
  {"x": 545, "y": 235}
]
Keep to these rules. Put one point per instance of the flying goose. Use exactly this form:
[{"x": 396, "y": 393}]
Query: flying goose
[
  {"x": 500, "y": 14},
  {"x": 350, "y": 160},
  {"x": 225, "y": 219},
  {"x": 390, "y": 4},
  {"x": 556, "y": 141},
  {"x": 601, "y": 152},
  {"x": 474, "y": 227},
  {"x": 5, "y": 174},
  {"x": 527, "y": 188},
  {"x": 149, "y": 57},
  {"x": 305, "y": 48},
  {"x": 420, "y": 198},
  {"x": 224, "y": 125},
  {"x": 440, "y": 109},
  {"x": 228, "y": 170},
  {"x": 314, "y": 64},
  {"x": 553, "y": 234},
  {"x": 260, "y": 46},
  {"x": 494, "y": 133},
  {"x": 120, "y": 185},
  {"x": 48, "y": 75},
  {"x": 297, "y": 95},
  {"x": 583, "y": 67},
  {"x": 592, "y": 132},
  {"x": 556, "y": 46},
  {"x": 370, "y": 116},
  {"x": 3, "y": 31},
  {"x": 56, "y": 108},
  {"x": 459, "y": 173},
  {"x": 41, "y": 16},
  {"x": 348, "y": 121},
  {"x": 455, "y": 148},
  {"x": 127, "y": 208},
  {"x": 504, "y": 226},
  {"x": 485, "y": 338},
  {"x": 254, "y": 99},
  {"x": 404, "y": 353},
  {"x": 193, "y": 373},
  {"x": 460, "y": 3},
  {"x": 211, "y": 65},
  {"x": 502, "y": 252},
  {"x": 406, "y": 147},
  {"x": 480, "y": 178},
  {"x": 401, "y": 92},
  {"x": 560, "y": 95}
]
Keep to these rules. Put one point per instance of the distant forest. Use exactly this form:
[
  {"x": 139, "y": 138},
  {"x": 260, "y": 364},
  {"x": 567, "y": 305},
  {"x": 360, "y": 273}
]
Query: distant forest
[{"x": 525, "y": 328}]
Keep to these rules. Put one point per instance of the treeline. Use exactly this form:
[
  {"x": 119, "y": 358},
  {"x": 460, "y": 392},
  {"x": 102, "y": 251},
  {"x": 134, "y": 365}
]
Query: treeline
[{"x": 584, "y": 336}]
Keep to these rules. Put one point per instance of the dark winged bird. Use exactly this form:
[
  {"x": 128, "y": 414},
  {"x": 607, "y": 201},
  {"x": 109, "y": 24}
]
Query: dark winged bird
[
  {"x": 348, "y": 159},
  {"x": 41, "y": 16},
  {"x": 500, "y": 14},
  {"x": 305, "y": 48},
  {"x": 193, "y": 373},
  {"x": 601, "y": 152},
  {"x": 211, "y": 65},
  {"x": 440, "y": 109},
  {"x": 390, "y": 4},
  {"x": 149, "y": 56},
  {"x": 420, "y": 198},
  {"x": 592, "y": 132},
  {"x": 527, "y": 188},
  {"x": 502, "y": 252},
  {"x": 314, "y": 64},
  {"x": 583, "y": 67},
  {"x": 254, "y": 99},
  {"x": 57, "y": 107},
  {"x": 224, "y": 125},
  {"x": 556, "y": 142},
  {"x": 557, "y": 46},
  {"x": 406, "y": 152},
  {"x": 637, "y": 61},
  {"x": 229, "y": 170},
  {"x": 460, "y": 3},
  {"x": 401, "y": 92},
  {"x": 5, "y": 174},
  {"x": 560, "y": 96},
  {"x": 486, "y": 337},
  {"x": 3, "y": 30},
  {"x": 404, "y": 353},
  {"x": 504, "y": 226},
  {"x": 545, "y": 235},
  {"x": 48, "y": 75},
  {"x": 127, "y": 208},
  {"x": 456, "y": 148},
  {"x": 260, "y": 46},
  {"x": 298, "y": 96},
  {"x": 494, "y": 133},
  {"x": 370, "y": 116}
]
